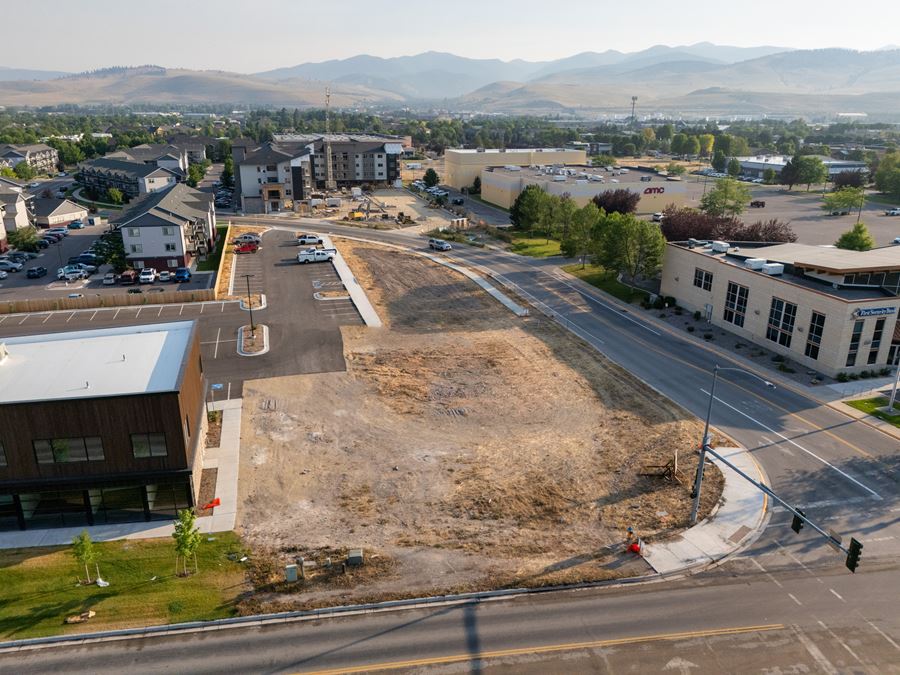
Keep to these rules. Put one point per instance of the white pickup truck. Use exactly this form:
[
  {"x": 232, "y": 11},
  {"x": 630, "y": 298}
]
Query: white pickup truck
[
  {"x": 316, "y": 255},
  {"x": 893, "y": 212}
]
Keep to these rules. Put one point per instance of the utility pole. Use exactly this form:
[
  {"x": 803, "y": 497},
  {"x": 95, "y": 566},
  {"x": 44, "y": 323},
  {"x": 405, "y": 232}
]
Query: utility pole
[
  {"x": 329, "y": 169},
  {"x": 250, "y": 305}
]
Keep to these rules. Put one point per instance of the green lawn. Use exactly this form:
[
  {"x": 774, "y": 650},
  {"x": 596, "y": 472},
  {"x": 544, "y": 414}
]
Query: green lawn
[
  {"x": 39, "y": 588},
  {"x": 887, "y": 200},
  {"x": 211, "y": 264},
  {"x": 605, "y": 281},
  {"x": 872, "y": 405},
  {"x": 537, "y": 247}
]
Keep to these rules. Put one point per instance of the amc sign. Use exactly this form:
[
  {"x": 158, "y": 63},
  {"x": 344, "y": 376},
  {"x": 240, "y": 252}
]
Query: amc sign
[{"x": 655, "y": 191}]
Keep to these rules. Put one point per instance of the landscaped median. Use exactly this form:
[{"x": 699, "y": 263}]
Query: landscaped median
[
  {"x": 876, "y": 407},
  {"x": 606, "y": 281},
  {"x": 40, "y": 586}
]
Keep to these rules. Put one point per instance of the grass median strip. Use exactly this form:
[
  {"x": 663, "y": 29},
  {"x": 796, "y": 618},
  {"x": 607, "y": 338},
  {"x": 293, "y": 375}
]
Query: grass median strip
[
  {"x": 40, "y": 587},
  {"x": 534, "y": 247},
  {"x": 873, "y": 406},
  {"x": 605, "y": 281}
]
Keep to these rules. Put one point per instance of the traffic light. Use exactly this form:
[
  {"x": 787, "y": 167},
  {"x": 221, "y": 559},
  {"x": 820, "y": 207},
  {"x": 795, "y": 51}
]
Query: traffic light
[
  {"x": 797, "y": 522},
  {"x": 853, "y": 555}
]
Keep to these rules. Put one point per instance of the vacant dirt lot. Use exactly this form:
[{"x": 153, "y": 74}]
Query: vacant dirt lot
[{"x": 464, "y": 448}]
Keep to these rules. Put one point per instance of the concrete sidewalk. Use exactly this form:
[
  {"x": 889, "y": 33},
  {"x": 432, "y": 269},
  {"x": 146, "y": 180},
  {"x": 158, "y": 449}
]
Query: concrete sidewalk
[
  {"x": 740, "y": 515},
  {"x": 225, "y": 458},
  {"x": 357, "y": 294}
]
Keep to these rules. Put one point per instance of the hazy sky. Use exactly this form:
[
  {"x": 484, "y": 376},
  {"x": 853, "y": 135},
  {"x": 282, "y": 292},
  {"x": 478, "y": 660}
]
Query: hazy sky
[{"x": 247, "y": 36}]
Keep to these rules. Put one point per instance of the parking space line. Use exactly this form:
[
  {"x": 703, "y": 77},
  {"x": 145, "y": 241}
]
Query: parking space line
[
  {"x": 181, "y": 310},
  {"x": 24, "y": 319},
  {"x": 93, "y": 315},
  {"x": 159, "y": 313},
  {"x": 223, "y": 307},
  {"x": 201, "y": 307},
  {"x": 138, "y": 312},
  {"x": 3, "y": 319},
  {"x": 46, "y": 319},
  {"x": 71, "y": 316},
  {"x": 117, "y": 313}
]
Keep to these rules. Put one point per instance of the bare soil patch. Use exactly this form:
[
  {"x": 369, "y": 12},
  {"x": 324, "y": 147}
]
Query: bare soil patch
[
  {"x": 208, "y": 479},
  {"x": 253, "y": 340},
  {"x": 464, "y": 447}
]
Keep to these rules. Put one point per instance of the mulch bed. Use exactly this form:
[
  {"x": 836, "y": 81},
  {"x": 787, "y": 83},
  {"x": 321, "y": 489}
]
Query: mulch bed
[{"x": 207, "y": 491}]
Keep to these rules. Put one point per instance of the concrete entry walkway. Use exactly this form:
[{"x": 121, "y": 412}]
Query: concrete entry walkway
[{"x": 225, "y": 458}]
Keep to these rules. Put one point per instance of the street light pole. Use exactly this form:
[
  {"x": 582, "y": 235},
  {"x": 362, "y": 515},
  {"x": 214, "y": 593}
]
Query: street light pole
[
  {"x": 250, "y": 305},
  {"x": 698, "y": 480},
  {"x": 890, "y": 406}
]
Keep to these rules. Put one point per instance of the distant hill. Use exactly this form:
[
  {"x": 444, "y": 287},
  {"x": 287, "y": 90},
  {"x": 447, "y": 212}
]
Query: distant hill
[{"x": 14, "y": 74}]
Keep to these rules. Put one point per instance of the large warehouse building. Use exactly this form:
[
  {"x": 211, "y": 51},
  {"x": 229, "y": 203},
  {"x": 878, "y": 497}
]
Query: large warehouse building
[
  {"x": 756, "y": 166},
  {"x": 502, "y": 185},
  {"x": 100, "y": 426},
  {"x": 828, "y": 309},
  {"x": 462, "y": 167}
]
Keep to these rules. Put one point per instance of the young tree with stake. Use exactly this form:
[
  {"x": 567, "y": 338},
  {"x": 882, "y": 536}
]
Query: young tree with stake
[{"x": 187, "y": 539}]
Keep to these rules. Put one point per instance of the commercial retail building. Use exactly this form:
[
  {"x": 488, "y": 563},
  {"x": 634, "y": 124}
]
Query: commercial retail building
[
  {"x": 501, "y": 185},
  {"x": 100, "y": 426},
  {"x": 462, "y": 166},
  {"x": 757, "y": 166},
  {"x": 829, "y": 310}
]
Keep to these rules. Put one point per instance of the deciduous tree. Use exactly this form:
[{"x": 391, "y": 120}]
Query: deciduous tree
[
  {"x": 630, "y": 246},
  {"x": 734, "y": 167},
  {"x": 84, "y": 552},
  {"x": 845, "y": 199},
  {"x": 619, "y": 200},
  {"x": 187, "y": 539},
  {"x": 727, "y": 198},
  {"x": 24, "y": 238},
  {"x": 581, "y": 239}
]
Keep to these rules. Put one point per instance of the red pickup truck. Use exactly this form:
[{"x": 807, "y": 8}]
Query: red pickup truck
[{"x": 248, "y": 247}]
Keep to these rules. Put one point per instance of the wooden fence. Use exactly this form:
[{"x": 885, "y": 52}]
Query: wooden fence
[{"x": 96, "y": 300}]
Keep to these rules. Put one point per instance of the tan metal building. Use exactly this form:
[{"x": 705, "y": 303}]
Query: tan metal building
[
  {"x": 502, "y": 185},
  {"x": 827, "y": 309},
  {"x": 462, "y": 167}
]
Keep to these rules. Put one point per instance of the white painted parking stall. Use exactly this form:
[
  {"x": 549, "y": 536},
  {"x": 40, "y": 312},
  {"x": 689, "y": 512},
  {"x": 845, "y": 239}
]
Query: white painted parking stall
[{"x": 118, "y": 315}]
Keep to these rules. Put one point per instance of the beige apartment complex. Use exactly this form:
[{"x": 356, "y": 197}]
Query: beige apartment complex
[
  {"x": 462, "y": 167},
  {"x": 829, "y": 310},
  {"x": 501, "y": 185}
]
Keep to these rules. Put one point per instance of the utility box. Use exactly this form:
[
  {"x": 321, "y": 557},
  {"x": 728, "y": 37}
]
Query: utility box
[
  {"x": 355, "y": 557},
  {"x": 290, "y": 573}
]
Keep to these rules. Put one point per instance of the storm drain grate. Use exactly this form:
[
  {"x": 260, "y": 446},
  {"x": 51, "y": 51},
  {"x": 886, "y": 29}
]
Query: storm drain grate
[
  {"x": 268, "y": 404},
  {"x": 455, "y": 412}
]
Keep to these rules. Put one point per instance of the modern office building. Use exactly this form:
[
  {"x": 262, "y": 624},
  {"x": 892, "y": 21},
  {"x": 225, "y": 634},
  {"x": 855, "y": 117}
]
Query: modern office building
[
  {"x": 462, "y": 167},
  {"x": 100, "y": 426},
  {"x": 501, "y": 185},
  {"x": 829, "y": 310},
  {"x": 756, "y": 166}
]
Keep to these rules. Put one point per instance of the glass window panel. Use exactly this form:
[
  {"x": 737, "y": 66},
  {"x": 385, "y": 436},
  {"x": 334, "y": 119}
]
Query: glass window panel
[
  {"x": 94, "y": 448},
  {"x": 140, "y": 445},
  {"x": 158, "y": 445}
]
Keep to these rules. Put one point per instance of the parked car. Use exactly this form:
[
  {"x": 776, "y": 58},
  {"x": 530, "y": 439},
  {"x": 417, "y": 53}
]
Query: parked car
[
  {"x": 86, "y": 259},
  {"x": 248, "y": 238},
  {"x": 53, "y": 237},
  {"x": 646, "y": 179},
  {"x": 307, "y": 239},
  {"x": 247, "y": 247},
  {"x": 36, "y": 272},
  {"x": 458, "y": 201},
  {"x": 42, "y": 243},
  {"x": 893, "y": 212},
  {"x": 63, "y": 231},
  {"x": 165, "y": 275},
  {"x": 840, "y": 212},
  {"x": 34, "y": 185},
  {"x": 86, "y": 268},
  {"x": 758, "y": 204},
  {"x": 10, "y": 266},
  {"x": 18, "y": 257},
  {"x": 128, "y": 277},
  {"x": 135, "y": 290},
  {"x": 70, "y": 273},
  {"x": 439, "y": 245},
  {"x": 316, "y": 255},
  {"x": 147, "y": 275},
  {"x": 76, "y": 225},
  {"x": 182, "y": 274},
  {"x": 896, "y": 241},
  {"x": 109, "y": 279},
  {"x": 658, "y": 216},
  {"x": 3, "y": 275}
]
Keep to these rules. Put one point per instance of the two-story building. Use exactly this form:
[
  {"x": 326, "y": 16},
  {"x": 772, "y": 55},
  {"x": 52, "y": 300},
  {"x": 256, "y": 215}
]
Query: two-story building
[
  {"x": 132, "y": 178},
  {"x": 53, "y": 212},
  {"x": 168, "y": 228},
  {"x": 39, "y": 156},
  {"x": 100, "y": 426},
  {"x": 828, "y": 309}
]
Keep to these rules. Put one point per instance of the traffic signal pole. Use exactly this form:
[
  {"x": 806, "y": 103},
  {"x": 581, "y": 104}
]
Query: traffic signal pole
[{"x": 852, "y": 552}]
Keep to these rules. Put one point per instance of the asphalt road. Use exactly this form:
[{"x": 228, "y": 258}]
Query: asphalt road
[{"x": 792, "y": 621}]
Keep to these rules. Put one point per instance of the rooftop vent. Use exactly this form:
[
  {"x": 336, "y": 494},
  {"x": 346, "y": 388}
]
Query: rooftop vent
[{"x": 720, "y": 246}]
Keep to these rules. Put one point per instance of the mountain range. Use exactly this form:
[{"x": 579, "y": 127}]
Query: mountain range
[{"x": 692, "y": 79}]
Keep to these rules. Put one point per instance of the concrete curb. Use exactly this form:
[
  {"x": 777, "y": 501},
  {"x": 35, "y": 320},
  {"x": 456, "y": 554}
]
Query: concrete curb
[
  {"x": 319, "y": 296},
  {"x": 240, "y": 341},
  {"x": 262, "y": 303},
  {"x": 357, "y": 294}
]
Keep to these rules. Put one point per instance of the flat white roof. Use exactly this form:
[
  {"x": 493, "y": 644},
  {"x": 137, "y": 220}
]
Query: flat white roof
[
  {"x": 94, "y": 363},
  {"x": 497, "y": 151}
]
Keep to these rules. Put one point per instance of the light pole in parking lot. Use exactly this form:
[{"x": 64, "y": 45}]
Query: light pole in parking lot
[
  {"x": 250, "y": 305},
  {"x": 698, "y": 480}
]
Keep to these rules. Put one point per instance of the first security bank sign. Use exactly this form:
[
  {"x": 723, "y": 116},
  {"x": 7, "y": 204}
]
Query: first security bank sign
[{"x": 874, "y": 311}]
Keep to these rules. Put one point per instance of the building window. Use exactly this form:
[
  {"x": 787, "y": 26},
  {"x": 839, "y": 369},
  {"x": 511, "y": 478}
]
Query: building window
[
  {"x": 148, "y": 445},
  {"x": 2, "y": 455},
  {"x": 272, "y": 179},
  {"x": 703, "y": 279},
  {"x": 66, "y": 450},
  {"x": 171, "y": 247},
  {"x": 138, "y": 264},
  {"x": 168, "y": 231},
  {"x": 136, "y": 248},
  {"x": 814, "y": 337},
  {"x": 172, "y": 262},
  {"x": 781, "y": 322},
  {"x": 271, "y": 167},
  {"x": 876, "y": 341},
  {"x": 854, "y": 343},
  {"x": 736, "y": 304},
  {"x": 134, "y": 232}
]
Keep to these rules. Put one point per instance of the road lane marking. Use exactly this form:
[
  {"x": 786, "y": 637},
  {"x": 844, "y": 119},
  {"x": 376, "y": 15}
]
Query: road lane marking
[
  {"x": 216, "y": 352},
  {"x": 799, "y": 562},
  {"x": 791, "y": 596},
  {"x": 545, "y": 649},
  {"x": 766, "y": 572},
  {"x": 840, "y": 642},
  {"x": 879, "y": 631},
  {"x": 612, "y": 308},
  {"x": 836, "y": 594},
  {"x": 4, "y": 319},
  {"x": 824, "y": 503},
  {"x": 815, "y": 652},
  {"x": 797, "y": 445}
]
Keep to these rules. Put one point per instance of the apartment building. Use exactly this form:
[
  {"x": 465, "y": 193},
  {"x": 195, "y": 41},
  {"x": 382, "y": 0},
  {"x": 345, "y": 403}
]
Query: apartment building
[
  {"x": 168, "y": 228},
  {"x": 356, "y": 158},
  {"x": 15, "y": 207},
  {"x": 100, "y": 426},
  {"x": 164, "y": 155},
  {"x": 272, "y": 177},
  {"x": 39, "y": 156},
  {"x": 827, "y": 309},
  {"x": 132, "y": 178}
]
